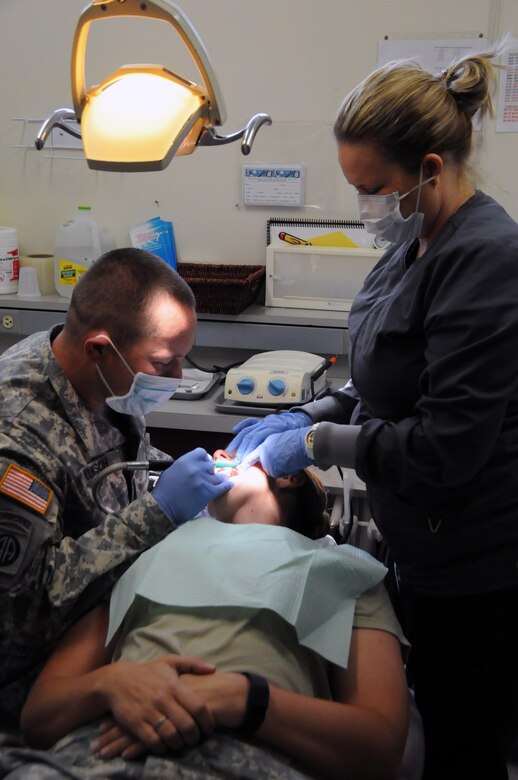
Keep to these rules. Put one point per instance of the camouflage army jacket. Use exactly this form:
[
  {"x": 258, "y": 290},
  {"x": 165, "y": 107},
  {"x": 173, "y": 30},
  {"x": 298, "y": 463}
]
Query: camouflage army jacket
[{"x": 59, "y": 553}]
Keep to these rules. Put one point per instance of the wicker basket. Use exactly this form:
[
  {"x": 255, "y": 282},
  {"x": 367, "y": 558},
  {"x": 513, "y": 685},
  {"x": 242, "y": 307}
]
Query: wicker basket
[{"x": 223, "y": 289}]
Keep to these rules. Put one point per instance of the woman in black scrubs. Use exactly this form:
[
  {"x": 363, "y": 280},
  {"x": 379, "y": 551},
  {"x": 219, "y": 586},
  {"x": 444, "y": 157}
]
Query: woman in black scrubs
[{"x": 429, "y": 419}]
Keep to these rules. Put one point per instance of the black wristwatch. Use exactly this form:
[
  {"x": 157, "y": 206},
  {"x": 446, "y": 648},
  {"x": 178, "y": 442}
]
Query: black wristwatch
[{"x": 256, "y": 703}]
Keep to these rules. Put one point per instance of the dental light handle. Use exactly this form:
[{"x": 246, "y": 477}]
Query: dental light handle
[
  {"x": 126, "y": 465},
  {"x": 210, "y": 138},
  {"x": 57, "y": 119}
]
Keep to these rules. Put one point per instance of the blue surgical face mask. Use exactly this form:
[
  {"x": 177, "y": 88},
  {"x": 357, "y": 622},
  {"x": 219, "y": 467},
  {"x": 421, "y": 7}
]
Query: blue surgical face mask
[
  {"x": 382, "y": 216},
  {"x": 146, "y": 391}
]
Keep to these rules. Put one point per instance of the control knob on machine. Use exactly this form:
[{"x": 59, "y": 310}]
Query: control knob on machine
[
  {"x": 277, "y": 387},
  {"x": 246, "y": 386}
]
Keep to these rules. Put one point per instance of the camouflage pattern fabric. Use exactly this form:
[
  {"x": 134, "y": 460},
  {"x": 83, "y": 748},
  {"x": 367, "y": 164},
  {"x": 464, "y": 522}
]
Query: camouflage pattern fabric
[
  {"x": 59, "y": 553},
  {"x": 221, "y": 756}
]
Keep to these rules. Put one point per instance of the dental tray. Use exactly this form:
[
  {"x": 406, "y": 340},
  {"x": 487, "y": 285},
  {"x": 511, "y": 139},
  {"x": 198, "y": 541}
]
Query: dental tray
[{"x": 195, "y": 384}]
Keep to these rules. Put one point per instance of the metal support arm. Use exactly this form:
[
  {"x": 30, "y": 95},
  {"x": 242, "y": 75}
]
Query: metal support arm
[
  {"x": 210, "y": 138},
  {"x": 56, "y": 119}
]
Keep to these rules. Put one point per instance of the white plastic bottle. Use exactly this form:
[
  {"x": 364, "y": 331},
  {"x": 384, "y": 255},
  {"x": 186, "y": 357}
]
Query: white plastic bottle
[{"x": 79, "y": 242}]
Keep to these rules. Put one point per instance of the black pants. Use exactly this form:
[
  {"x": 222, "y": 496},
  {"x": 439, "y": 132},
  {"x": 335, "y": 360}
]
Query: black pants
[{"x": 464, "y": 670}]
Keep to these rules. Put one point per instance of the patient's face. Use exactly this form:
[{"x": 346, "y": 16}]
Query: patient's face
[{"x": 253, "y": 491}]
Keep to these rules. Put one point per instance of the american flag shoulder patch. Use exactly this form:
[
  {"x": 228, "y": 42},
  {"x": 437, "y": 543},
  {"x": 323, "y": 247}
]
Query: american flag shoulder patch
[{"x": 25, "y": 488}]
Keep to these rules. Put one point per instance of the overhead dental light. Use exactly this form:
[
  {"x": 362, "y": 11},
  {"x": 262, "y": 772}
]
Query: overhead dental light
[{"x": 141, "y": 116}]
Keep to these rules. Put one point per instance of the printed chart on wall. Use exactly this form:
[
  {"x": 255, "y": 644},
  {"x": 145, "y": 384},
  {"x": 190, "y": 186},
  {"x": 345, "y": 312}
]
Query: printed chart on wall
[
  {"x": 507, "y": 107},
  {"x": 319, "y": 232},
  {"x": 266, "y": 184}
]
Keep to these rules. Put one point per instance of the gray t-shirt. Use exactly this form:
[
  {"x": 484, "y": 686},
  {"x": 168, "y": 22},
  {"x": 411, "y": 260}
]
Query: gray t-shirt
[{"x": 238, "y": 639}]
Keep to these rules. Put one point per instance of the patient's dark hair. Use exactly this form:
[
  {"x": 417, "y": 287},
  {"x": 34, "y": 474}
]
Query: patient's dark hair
[
  {"x": 308, "y": 514},
  {"x": 114, "y": 295}
]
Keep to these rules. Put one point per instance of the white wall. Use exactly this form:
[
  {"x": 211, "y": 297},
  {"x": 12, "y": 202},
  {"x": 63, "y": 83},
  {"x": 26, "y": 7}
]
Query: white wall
[{"x": 294, "y": 59}]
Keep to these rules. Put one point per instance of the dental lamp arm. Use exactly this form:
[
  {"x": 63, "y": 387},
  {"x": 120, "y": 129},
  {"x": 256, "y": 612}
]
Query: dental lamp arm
[
  {"x": 160, "y": 10},
  {"x": 56, "y": 119},
  {"x": 210, "y": 138}
]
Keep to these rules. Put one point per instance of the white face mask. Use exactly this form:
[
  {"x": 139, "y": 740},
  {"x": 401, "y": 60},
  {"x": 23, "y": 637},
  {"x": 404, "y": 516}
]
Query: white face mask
[
  {"x": 381, "y": 214},
  {"x": 146, "y": 391}
]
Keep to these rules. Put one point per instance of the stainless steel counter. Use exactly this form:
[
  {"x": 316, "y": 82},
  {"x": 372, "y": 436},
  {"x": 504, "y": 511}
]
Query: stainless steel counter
[{"x": 257, "y": 328}]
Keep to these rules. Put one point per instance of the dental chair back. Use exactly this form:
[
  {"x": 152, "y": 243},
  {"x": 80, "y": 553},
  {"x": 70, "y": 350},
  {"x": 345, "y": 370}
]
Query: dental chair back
[{"x": 352, "y": 523}]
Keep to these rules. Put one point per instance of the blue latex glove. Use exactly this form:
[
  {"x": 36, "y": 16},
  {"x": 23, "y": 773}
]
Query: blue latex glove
[
  {"x": 186, "y": 487},
  {"x": 252, "y": 432},
  {"x": 282, "y": 453}
]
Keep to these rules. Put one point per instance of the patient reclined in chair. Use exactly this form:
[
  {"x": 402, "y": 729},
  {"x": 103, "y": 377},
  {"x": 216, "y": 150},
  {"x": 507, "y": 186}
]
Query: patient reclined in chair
[{"x": 295, "y": 642}]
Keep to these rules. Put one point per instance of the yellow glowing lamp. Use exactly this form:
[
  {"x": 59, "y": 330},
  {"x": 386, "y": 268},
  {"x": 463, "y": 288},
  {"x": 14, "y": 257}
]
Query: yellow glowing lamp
[
  {"x": 127, "y": 120},
  {"x": 141, "y": 116}
]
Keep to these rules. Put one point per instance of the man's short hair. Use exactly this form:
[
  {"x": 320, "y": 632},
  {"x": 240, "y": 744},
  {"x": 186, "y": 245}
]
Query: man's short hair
[{"x": 115, "y": 293}]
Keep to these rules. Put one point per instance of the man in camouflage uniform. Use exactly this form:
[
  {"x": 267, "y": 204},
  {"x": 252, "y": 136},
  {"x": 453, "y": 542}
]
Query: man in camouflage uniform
[
  {"x": 222, "y": 755},
  {"x": 59, "y": 552}
]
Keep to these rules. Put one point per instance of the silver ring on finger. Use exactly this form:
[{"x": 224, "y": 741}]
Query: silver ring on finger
[{"x": 160, "y": 722}]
